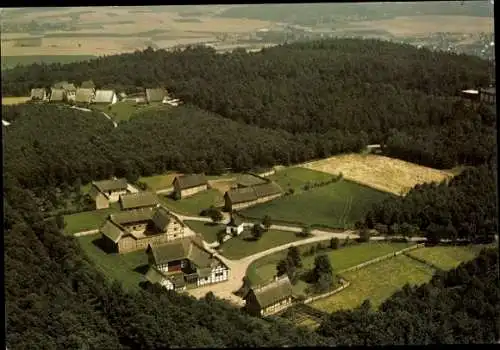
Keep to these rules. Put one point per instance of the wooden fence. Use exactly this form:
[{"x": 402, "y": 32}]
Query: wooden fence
[
  {"x": 344, "y": 285},
  {"x": 420, "y": 260}
]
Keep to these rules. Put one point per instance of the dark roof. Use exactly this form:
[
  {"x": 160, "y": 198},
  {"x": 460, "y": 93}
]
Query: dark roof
[
  {"x": 38, "y": 93},
  {"x": 84, "y": 95},
  {"x": 241, "y": 195},
  {"x": 104, "y": 96},
  {"x": 161, "y": 218},
  {"x": 56, "y": 94},
  {"x": 69, "y": 87},
  {"x": 172, "y": 251},
  {"x": 138, "y": 200},
  {"x": 131, "y": 216},
  {"x": 247, "y": 180},
  {"x": 192, "y": 180},
  {"x": 155, "y": 276},
  {"x": 273, "y": 292},
  {"x": 155, "y": 95},
  {"x": 60, "y": 84},
  {"x": 111, "y": 185},
  {"x": 89, "y": 84},
  {"x": 111, "y": 230},
  {"x": 235, "y": 222}
]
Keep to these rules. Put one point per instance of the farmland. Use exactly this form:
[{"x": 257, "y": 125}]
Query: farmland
[
  {"x": 242, "y": 245},
  {"x": 336, "y": 205},
  {"x": 194, "y": 204},
  {"x": 126, "y": 268},
  {"x": 264, "y": 269},
  {"x": 376, "y": 282},
  {"x": 380, "y": 172},
  {"x": 207, "y": 229},
  {"x": 12, "y": 61},
  {"x": 445, "y": 257},
  {"x": 14, "y": 100}
]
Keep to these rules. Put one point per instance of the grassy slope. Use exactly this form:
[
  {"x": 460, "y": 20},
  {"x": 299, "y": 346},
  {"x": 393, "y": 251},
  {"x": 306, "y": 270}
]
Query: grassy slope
[
  {"x": 446, "y": 258},
  {"x": 126, "y": 268},
  {"x": 88, "y": 220},
  {"x": 337, "y": 205},
  {"x": 206, "y": 229},
  {"x": 296, "y": 177},
  {"x": 376, "y": 282},
  {"x": 264, "y": 269},
  {"x": 238, "y": 247}
]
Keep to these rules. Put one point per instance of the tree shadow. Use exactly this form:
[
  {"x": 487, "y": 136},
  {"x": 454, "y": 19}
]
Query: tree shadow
[{"x": 250, "y": 239}]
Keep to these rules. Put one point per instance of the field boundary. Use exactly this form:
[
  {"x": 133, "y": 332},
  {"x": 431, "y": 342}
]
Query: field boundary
[
  {"x": 344, "y": 285},
  {"x": 381, "y": 258},
  {"x": 425, "y": 262}
]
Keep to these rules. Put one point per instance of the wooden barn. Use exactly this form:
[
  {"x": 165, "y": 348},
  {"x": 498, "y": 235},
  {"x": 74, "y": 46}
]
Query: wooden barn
[
  {"x": 187, "y": 185},
  {"x": 139, "y": 200},
  {"x": 107, "y": 191},
  {"x": 270, "y": 298},
  {"x": 239, "y": 198}
]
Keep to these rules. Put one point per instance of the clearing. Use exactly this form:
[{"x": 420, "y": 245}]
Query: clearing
[
  {"x": 121, "y": 111},
  {"x": 207, "y": 229},
  {"x": 376, "y": 282},
  {"x": 336, "y": 205},
  {"x": 128, "y": 268},
  {"x": 194, "y": 204},
  {"x": 14, "y": 100},
  {"x": 243, "y": 245},
  {"x": 88, "y": 220},
  {"x": 263, "y": 270},
  {"x": 380, "y": 172},
  {"x": 296, "y": 177},
  {"x": 447, "y": 257}
]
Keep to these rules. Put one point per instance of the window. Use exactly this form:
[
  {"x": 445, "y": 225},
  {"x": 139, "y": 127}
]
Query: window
[{"x": 219, "y": 274}]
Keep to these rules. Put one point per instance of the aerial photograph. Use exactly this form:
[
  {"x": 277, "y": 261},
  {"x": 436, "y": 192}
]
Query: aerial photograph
[{"x": 250, "y": 175}]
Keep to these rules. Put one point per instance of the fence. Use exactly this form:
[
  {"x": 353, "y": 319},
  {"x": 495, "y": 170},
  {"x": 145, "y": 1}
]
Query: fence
[
  {"x": 345, "y": 284},
  {"x": 420, "y": 260},
  {"x": 382, "y": 258}
]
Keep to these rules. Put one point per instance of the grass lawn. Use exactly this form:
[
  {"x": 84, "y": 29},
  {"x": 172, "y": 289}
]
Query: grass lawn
[
  {"x": 264, "y": 269},
  {"x": 337, "y": 205},
  {"x": 296, "y": 177},
  {"x": 159, "y": 182},
  {"x": 194, "y": 204},
  {"x": 121, "y": 111},
  {"x": 238, "y": 247},
  {"x": 376, "y": 282},
  {"x": 206, "y": 229},
  {"x": 127, "y": 268},
  {"x": 445, "y": 257},
  {"x": 88, "y": 220}
]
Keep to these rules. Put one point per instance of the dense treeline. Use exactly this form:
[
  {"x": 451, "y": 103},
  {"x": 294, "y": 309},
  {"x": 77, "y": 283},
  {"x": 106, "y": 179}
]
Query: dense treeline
[
  {"x": 457, "y": 307},
  {"x": 48, "y": 145},
  {"x": 363, "y": 88},
  {"x": 466, "y": 208}
]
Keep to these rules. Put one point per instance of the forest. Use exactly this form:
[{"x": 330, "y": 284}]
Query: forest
[
  {"x": 319, "y": 99},
  {"x": 370, "y": 91}
]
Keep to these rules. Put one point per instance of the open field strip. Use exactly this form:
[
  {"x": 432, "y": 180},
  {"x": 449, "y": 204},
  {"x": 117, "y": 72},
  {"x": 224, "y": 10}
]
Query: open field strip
[
  {"x": 380, "y": 172},
  {"x": 14, "y": 100},
  {"x": 325, "y": 205},
  {"x": 376, "y": 282},
  {"x": 264, "y": 269},
  {"x": 127, "y": 268},
  {"x": 447, "y": 257}
]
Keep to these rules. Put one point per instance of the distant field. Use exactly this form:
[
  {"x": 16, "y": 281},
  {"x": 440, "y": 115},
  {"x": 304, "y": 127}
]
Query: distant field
[
  {"x": 159, "y": 182},
  {"x": 264, "y": 269},
  {"x": 194, "y": 204},
  {"x": 447, "y": 258},
  {"x": 127, "y": 268},
  {"x": 296, "y": 177},
  {"x": 336, "y": 205},
  {"x": 12, "y": 61},
  {"x": 14, "y": 100},
  {"x": 238, "y": 247},
  {"x": 376, "y": 282},
  {"x": 380, "y": 172},
  {"x": 206, "y": 229},
  {"x": 89, "y": 220}
]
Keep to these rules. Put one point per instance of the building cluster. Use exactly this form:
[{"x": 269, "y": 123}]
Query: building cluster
[
  {"x": 175, "y": 259},
  {"x": 87, "y": 94}
]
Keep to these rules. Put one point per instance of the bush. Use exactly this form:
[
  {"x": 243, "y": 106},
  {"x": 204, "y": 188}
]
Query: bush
[
  {"x": 364, "y": 235},
  {"x": 334, "y": 243}
]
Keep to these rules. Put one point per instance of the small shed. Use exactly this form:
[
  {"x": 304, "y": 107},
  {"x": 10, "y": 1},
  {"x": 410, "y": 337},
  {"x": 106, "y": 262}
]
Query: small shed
[{"x": 234, "y": 227}]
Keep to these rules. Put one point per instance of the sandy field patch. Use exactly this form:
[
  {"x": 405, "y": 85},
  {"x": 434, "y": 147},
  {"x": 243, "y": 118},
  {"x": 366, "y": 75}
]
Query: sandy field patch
[
  {"x": 414, "y": 25},
  {"x": 14, "y": 100},
  {"x": 380, "y": 172}
]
